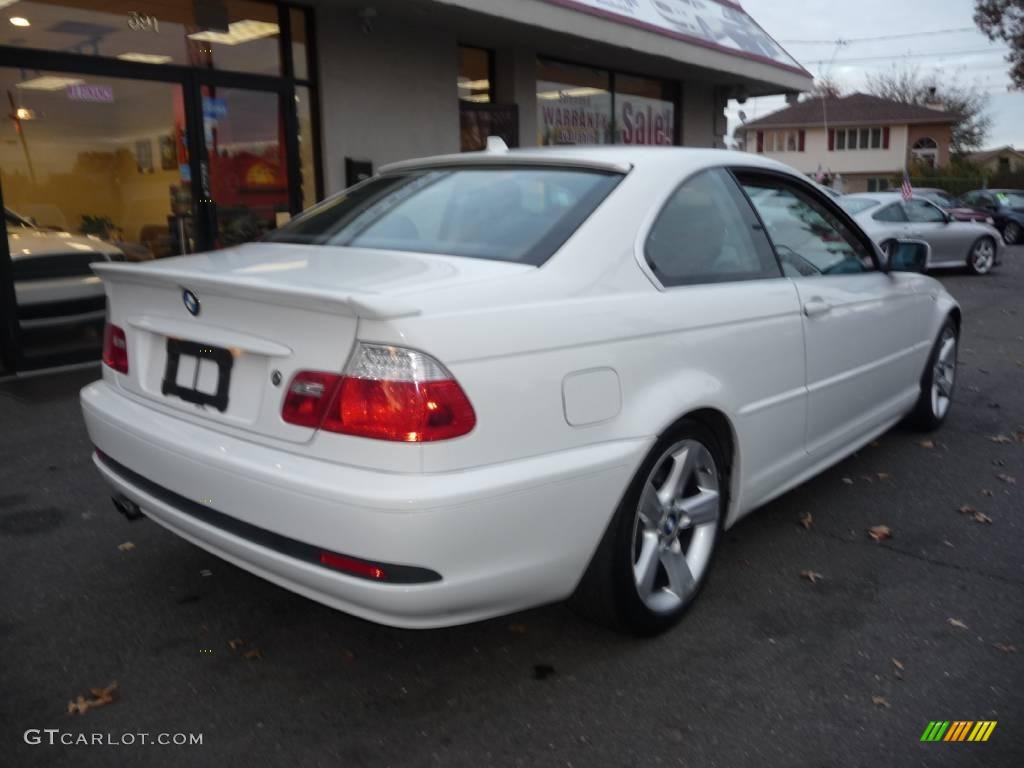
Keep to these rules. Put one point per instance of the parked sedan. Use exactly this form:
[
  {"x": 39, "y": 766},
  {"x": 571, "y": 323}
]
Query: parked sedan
[
  {"x": 1005, "y": 206},
  {"x": 481, "y": 382},
  {"x": 887, "y": 217},
  {"x": 53, "y": 280},
  {"x": 951, "y": 205}
]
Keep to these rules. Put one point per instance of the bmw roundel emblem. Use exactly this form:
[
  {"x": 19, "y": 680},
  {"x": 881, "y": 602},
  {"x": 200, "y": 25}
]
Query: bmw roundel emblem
[{"x": 191, "y": 302}]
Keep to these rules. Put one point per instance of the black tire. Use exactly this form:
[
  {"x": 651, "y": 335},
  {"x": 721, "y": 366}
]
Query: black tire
[
  {"x": 925, "y": 416},
  {"x": 608, "y": 593},
  {"x": 1012, "y": 233},
  {"x": 975, "y": 264}
]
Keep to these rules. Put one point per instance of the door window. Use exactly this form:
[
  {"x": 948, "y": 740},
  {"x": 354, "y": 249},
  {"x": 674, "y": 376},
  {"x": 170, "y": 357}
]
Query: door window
[
  {"x": 808, "y": 238},
  {"x": 706, "y": 234},
  {"x": 921, "y": 211}
]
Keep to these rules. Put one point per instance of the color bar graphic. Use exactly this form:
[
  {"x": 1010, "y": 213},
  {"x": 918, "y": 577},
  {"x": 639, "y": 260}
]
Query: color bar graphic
[{"x": 958, "y": 730}]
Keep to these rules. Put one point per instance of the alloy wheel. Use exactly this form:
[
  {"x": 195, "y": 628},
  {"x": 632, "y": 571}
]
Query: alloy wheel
[
  {"x": 1011, "y": 233},
  {"x": 983, "y": 256},
  {"x": 676, "y": 526},
  {"x": 944, "y": 374}
]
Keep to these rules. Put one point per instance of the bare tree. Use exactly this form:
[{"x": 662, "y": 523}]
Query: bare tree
[
  {"x": 826, "y": 86},
  {"x": 1004, "y": 20},
  {"x": 909, "y": 86}
]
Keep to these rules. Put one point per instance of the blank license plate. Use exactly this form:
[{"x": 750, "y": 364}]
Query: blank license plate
[{"x": 198, "y": 373}]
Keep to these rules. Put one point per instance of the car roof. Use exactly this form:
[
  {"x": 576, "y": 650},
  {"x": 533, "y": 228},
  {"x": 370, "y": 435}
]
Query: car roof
[{"x": 614, "y": 157}]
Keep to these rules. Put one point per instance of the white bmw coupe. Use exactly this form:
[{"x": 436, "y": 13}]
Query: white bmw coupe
[{"x": 477, "y": 383}]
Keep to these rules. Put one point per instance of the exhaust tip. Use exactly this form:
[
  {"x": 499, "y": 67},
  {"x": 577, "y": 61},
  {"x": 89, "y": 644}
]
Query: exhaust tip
[{"x": 127, "y": 507}]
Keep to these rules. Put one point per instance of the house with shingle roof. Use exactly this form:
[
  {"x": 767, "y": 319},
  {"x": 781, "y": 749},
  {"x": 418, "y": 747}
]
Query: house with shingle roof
[{"x": 866, "y": 139}]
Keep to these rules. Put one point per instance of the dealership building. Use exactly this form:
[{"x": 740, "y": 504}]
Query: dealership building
[{"x": 142, "y": 131}]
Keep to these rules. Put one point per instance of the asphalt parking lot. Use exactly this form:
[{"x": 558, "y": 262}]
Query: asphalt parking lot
[{"x": 768, "y": 669}]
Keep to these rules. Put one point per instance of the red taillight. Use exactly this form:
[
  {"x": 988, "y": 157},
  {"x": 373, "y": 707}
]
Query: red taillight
[
  {"x": 386, "y": 393},
  {"x": 307, "y": 398},
  {"x": 351, "y": 565},
  {"x": 115, "y": 348}
]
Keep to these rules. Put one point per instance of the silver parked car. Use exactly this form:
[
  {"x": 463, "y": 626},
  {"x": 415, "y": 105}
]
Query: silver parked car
[{"x": 887, "y": 217}]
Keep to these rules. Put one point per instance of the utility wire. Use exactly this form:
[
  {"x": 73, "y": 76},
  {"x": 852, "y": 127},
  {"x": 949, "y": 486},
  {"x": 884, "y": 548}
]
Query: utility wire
[
  {"x": 881, "y": 37},
  {"x": 894, "y": 56}
]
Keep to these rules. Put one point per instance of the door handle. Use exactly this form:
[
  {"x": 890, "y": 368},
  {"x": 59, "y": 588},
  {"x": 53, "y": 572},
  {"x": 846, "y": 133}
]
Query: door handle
[{"x": 816, "y": 306}]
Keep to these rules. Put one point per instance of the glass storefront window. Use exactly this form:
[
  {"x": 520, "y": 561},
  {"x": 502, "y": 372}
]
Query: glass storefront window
[
  {"x": 92, "y": 169},
  {"x": 574, "y": 104},
  {"x": 644, "y": 111},
  {"x": 474, "y": 82},
  {"x": 237, "y": 35},
  {"x": 248, "y": 170},
  {"x": 307, "y": 161},
  {"x": 300, "y": 51}
]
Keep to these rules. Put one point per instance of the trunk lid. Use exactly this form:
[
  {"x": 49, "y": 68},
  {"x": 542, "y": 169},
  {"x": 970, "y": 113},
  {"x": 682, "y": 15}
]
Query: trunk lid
[{"x": 262, "y": 312}]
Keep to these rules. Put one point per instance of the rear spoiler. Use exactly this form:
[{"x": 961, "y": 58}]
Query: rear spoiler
[{"x": 364, "y": 305}]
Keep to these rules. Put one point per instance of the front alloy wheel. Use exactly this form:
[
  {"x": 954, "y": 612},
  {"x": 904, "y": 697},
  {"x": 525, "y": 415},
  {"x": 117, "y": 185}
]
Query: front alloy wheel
[
  {"x": 982, "y": 257},
  {"x": 938, "y": 381}
]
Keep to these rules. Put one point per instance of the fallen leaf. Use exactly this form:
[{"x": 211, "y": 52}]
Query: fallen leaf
[
  {"x": 897, "y": 668},
  {"x": 967, "y": 509},
  {"x": 986, "y": 492},
  {"x": 100, "y": 698},
  {"x": 981, "y": 517},
  {"x": 519, "y": 629},
  {"x": 880, "y": 532},
  {"x": 926, "y": 444},
  {"x": 882, "y": 475},
  {"x": 948, "y": 543},
  {"x": 880, "y": 701},
  {"x": 542, "y": 671},
  {"x": 806, "y": 520},
  {"x": 253, "y": 653},
  {"x": 235, "y": 644},
  {"x": 1010, "y": 479},
  {"x": 1005, "y": 647},
  {"x": 1001, "y": 439},
  {"x": 811, "y": 576},
  {"x": 848, "y": 481},
  {"x": 956, "y": 623},
  {"x": 126, "y": 547}
]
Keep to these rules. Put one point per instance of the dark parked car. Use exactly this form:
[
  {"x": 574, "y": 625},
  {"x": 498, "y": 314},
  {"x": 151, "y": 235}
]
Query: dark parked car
[
  {"x": 951, "y": 205},
  {"x": 1005, "y": 206}
]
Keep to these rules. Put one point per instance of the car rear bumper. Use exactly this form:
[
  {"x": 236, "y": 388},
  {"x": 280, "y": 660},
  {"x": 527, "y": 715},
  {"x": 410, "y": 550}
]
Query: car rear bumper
[{"x": 501, "y": 537}]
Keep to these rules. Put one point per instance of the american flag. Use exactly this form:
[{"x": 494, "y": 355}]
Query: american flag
[{"x": 905, "y": 189}]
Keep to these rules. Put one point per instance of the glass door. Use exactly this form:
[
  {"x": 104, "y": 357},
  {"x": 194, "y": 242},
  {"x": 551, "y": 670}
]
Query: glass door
[
  {"x": 93, "y": 168},
  {"x": 245, "y": 172}
]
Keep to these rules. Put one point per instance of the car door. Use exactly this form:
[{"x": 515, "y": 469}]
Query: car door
[
  {"x": 889, "y": 222},
  {"x": 949, "y": 240},
  {"x": 737, "y": 327},
  {"x": 864, "y": 329}
]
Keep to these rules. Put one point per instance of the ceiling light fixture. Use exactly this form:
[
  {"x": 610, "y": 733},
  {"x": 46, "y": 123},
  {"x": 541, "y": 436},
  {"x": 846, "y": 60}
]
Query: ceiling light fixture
[
  {"x": 49, "y": 83},
  {"x": 20, "y": 21},
  {"x": 145, "y": 58},
  {"x": 238, "y": 32}
]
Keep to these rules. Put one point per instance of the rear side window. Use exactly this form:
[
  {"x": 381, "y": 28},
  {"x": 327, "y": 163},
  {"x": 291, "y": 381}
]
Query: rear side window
[
  {"x": 891, "y": 212},
  {"x": 921, "y": 211},
  {"x": 706, "y": 234},
  {"x": 855, "y": 205},
  {"x": 520, "y": 214}
]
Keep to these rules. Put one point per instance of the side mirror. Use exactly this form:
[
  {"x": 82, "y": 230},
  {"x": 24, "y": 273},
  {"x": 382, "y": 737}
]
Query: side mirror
[{"x": 905, "y": 256}]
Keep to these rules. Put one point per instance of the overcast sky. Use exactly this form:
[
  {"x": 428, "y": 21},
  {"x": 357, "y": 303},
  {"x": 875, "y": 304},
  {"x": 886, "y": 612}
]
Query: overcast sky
[{"x": 966, "y": 56}]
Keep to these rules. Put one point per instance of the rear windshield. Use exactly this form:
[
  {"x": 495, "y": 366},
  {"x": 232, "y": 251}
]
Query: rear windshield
[
  {"x": 855, "y": 205},
  {"x": 505, "y": 214}
]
